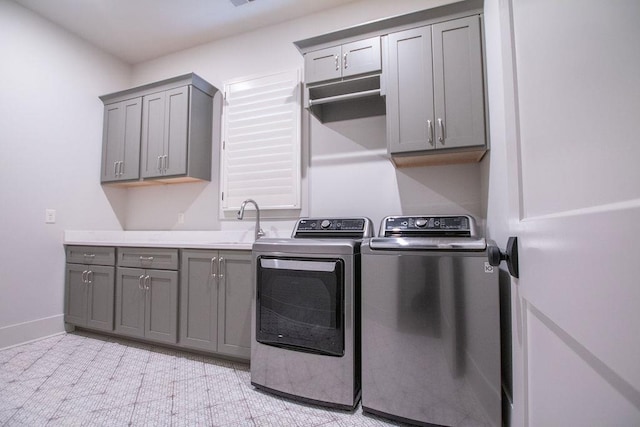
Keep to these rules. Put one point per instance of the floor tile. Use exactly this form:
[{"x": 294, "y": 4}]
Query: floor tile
[{"x": 83, "y": 378}]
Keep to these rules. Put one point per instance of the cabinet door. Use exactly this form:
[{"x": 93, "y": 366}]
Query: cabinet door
[
  {"x": 121, "y": 140},
  {"x": 112, "y": 136},
  {"x": 130, "y": 167},
  {"x": 234, "y": 312},
  {"x": 100, "y": 297},
  {"x": 458, "y": 83},
  {"x": 362, "y": 56},
  {"x": 153, "y": 128},
  {"x": 75, "y": 302},
  {"x": 161, "y": 311},
  {"x": 410, "y": 112},
  {"x": 324, "y": 64},
  {"x": 199, "y": 299},
  {"x": 176, "y": 131},
  {"x": 130, "y": 301}
]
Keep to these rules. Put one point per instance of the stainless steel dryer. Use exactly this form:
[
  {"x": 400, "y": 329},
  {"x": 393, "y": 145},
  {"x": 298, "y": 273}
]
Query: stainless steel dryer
[
  {"x": 430, "y": 323},
  {"x": 306, "y": 320}
]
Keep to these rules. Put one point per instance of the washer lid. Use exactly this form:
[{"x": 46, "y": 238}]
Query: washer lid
[{"x": 429, "y": 243}]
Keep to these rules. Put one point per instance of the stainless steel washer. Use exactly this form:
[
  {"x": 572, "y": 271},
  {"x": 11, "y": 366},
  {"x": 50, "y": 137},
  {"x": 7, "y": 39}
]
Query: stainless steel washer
[
  {"x": 306, "y": 320},
  {"x": 430, "y": 323}
]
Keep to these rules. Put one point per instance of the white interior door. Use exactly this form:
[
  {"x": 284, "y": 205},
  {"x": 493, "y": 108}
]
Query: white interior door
[{"x": 574, "y": 172}]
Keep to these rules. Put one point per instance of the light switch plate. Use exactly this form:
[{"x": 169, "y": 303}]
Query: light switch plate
[{"x": 50, "y": 216}]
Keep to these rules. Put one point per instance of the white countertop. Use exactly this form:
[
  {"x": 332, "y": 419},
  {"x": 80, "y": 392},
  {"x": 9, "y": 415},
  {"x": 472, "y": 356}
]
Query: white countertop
[{"x": 162, "y": 239}]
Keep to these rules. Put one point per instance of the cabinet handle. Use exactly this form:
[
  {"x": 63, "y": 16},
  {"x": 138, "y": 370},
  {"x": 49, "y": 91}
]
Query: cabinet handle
[
  {"x": 89, "y": 277},
  {"x": 221, "y": 266},
  {"x": 115, "y": 168},
  {"x": 120, "y": 168},
  {"x": 147, "y": 283},
  {"x": 345, "y": 61},
  {"x": 90, "y": 256},
  {"x": 337, "y": 63},
  {"x": 430, "y": 131},
  {"x": 84, "y": 276},
  {"x": 146, "y": 258},
  {"x": 214, "y": 267},
  {"x": 140, "y": 285},
  {"x": 159, "y": 164},
  {"x": 442, "y": 136},
  {"x": 165, "y": 163}
]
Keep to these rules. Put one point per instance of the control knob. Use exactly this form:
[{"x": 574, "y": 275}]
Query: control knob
[
  {"x": 325, "y": 223},
  {"x": 421, "y": 222}
]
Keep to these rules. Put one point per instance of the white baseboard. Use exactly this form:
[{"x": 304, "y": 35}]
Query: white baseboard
[{"x": 22, "y": 333}]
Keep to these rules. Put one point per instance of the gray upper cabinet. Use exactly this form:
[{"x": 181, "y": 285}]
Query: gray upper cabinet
[
  {"x": 349, "y": 59},
  {"x": 215, "y": 301},
  {"x": 89, "y": 287},
  {"x": 171, "y": 137},
  {"x": 121, "y": 141},
  {"x": 165, "y": 132},
  {"x": 435, "y": 91}
]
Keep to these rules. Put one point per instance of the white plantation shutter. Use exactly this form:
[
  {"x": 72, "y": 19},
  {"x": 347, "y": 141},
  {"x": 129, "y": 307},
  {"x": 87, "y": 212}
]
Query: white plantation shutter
[{"x": 261, "y": 142}]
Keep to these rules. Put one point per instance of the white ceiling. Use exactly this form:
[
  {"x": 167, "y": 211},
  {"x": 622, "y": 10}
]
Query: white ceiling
[{"x": 139, "y": 30}]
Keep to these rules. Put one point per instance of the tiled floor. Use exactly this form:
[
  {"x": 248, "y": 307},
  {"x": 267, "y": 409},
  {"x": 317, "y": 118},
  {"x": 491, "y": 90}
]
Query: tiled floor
[{"x": 84, "y": 379}]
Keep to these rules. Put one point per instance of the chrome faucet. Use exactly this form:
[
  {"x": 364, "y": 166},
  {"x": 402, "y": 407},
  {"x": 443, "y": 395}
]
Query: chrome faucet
[{"x": 259, "y": 232}]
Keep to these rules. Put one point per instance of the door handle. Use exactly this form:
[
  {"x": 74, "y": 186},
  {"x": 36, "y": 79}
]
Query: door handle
[
  {"x": 221, "y": 265},
  {"x": 89, "y": 277},
  {"x": 140, "y": 285},
  {"x": 510, "y": 255},
  {"x": 430, "y": 132},
  {"x": 214, "y": 267},
  {"x": 344, "y": 59},
  {"x": 337, "y": 63},
  {"x": 84, "y": 277},
  {"x": 147, "y": 283},
  {"x": 441, "y": 137}
]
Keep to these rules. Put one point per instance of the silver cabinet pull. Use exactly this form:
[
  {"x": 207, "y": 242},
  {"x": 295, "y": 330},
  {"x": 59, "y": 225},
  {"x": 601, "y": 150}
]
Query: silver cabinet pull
[
  {"x": 159, "y": 164},
  {"x": 222, "y": 265},
  {"x": 165, "y": 163},
  {"x": 430, "y": 132},
  {"x": 89, "y": 277},
  {"x": 344, "y": 58},
  {"x": 120, "y": 168},
  {"x": 89, "y": 256},
  {"x": 115, "y": 168},
  {"x": 84, "y": 276},
  {"x": 442, "y": 136},
  {"x": 140, "y": 285},
  {"x": 337, "y": 63},
  {"x": 146, "y": 258},
  {"x": 147, "y": 283},
  {"x": 214, "y": 267}
]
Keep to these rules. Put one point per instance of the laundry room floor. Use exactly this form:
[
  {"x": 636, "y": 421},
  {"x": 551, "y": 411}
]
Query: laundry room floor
[{"x": 85, "y": 379}]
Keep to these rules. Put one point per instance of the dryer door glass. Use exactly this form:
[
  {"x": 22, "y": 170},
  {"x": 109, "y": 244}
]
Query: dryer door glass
[{"x": 299, "y": 304}]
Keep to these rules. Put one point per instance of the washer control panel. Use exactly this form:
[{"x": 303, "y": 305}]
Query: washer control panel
[{"x": 428, "y": 225}]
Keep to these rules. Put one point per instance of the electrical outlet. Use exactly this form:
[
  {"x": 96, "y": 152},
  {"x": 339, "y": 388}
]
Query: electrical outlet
[{"x": 50, "y": 216}]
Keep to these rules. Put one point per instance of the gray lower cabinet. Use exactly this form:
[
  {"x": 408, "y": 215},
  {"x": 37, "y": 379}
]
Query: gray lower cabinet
[
  {"x": 435, "y": 90},
  {"x": 89, "y": 288},
  {"x": 147, "y": 304},
  {"x": 215, "y": 301},
  {"x": 147, "y": 293}
]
